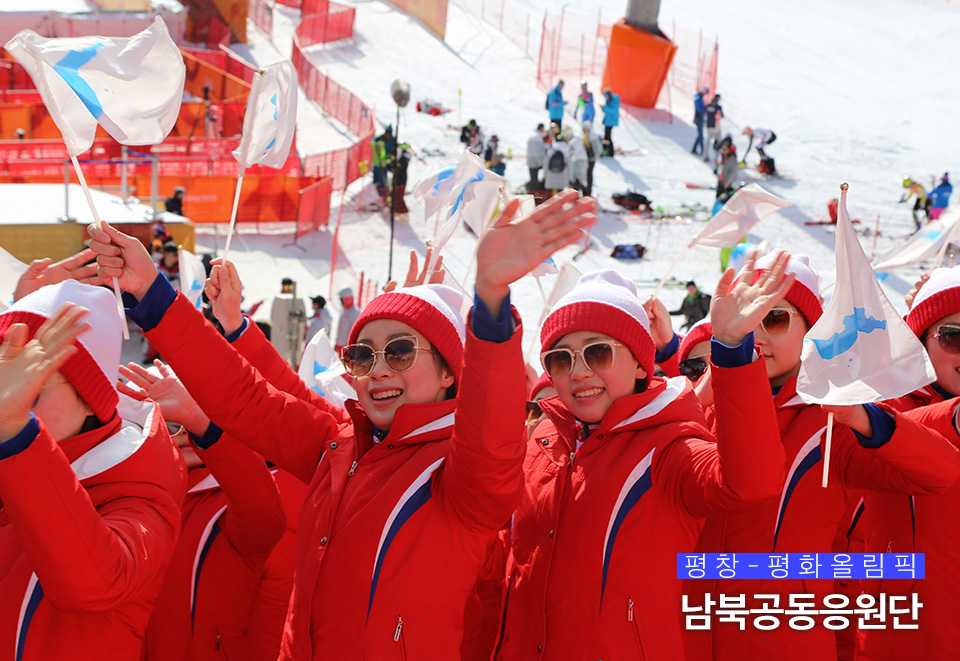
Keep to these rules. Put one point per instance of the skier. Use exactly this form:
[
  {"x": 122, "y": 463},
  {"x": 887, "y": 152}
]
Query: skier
[
  {"x": 712, "y": 114},
  {"x": 611, "y": 118},
  {"x": 763, "y": 137},
  {"x": 536, "y": 149},
  {"x": 555, "y": 104},
  {"x": 585, "y": 101},
  {"x": 940, "y": 197},
  {"x": 922, "y": 202},
  {"x": 698, "y": 110}
]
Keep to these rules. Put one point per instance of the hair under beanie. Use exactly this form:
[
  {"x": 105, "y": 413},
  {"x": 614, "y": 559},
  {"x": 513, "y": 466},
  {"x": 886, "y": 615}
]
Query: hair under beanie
[
  {"x": 605, "y": 302},
  {"x": 701, "y": 331},
  {"x": 939, "y": 297},
  {"x": 805, "y": 292},
  {"x": 432, "y": 310},
  {"x": 92, "y": 371}
]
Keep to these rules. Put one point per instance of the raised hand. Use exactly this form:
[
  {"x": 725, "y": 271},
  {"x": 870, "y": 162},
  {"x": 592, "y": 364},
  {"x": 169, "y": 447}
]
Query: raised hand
[
  {"x": 736, "y": 310},
  {"x": 512, "y": 248},
  {"x": 169, "y": 393},
  {"x": 912, "y": 294},
  {"x": 225, "y": 291},
  {"x": 26, "y": 366},
  {"x": 123, "y": 257},
  {"x": 43, "y": 272},
  {"x": 416, "y": 277},
  {"x": 661, "y": 328}
]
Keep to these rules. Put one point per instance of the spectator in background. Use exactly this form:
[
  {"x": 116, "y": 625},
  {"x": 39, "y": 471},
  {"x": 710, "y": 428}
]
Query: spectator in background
[
  {"x": 169, "y": 263},
  {"x": 593, "y": 147},
  {"x": 472, "y": 137},
  {"x": 611, "y": 118},
  {"x": 555, "y": 104},
  {"x": 492, "y": 156},
  {"x": 382, "y": 158},
  {"x": 321, "y": 319},
  {"x": 558, "y": 164},
  {"x": 578, "y": 156},
  {"x": 695, "y": 306},
  {"x": 698, "y": 109},
  {"x": 585, "y": 100},
  {"x": 349, "y": 315},
  {"x": 174, "y": 203},
  {"x": 729, "y": 170},
  {"x": 536, "y": 150},
  {"x": 711, "y": 118},
  {"x": 940, "y": 197}
]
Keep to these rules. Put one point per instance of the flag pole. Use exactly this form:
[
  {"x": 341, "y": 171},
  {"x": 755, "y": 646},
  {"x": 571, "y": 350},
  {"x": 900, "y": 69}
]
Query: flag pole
[
  {"x": 670, "y": 270},
  {"x": 233, "y": 214},
  {"x": 96, "y": 221},
  {"x": 826, "y": 449},
  {"x": 943, "y": 249}
]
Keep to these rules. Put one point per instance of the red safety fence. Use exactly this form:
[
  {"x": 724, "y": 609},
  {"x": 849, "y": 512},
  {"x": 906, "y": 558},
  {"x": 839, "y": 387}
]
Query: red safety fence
[
  {"x": 571, "y": 47},
  {"x": 313, "y": 211},
  {"x": 708, "y": 69},
  {"x": 208, "y": 30},
  {"x": 262, "y": 15},
  {"x": 333, "y": 23},
  {"x": 695, "y": 63},
  {"x": 511, "y": 18}
]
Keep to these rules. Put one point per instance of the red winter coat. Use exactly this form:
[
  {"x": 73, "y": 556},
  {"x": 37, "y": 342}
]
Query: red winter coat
[
  {"x": 232, "y": 519},
  {"x": 805, "y": 518},
  {"x": 930, "y": 524},
  {"x": 592, "y": 572},
  {"x": 392, "y": 535},
  {"x": 87, "y": 527}
]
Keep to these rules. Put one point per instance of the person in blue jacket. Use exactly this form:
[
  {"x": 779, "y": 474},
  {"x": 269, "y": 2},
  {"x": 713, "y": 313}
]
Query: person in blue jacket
[
  {"x": 555, "y": 103},
  {"x": 586, "y": 100},
  {"x": 940, "y": 196},
  {"x": 698, "y": 107},
  {"x": 611, "y": 118}
]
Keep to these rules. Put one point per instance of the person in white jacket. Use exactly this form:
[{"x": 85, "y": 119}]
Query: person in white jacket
[
  {"x": 578, "y": 154},
  {"x": 558, "y": 165},
  {"x": 536, "y": 149}
]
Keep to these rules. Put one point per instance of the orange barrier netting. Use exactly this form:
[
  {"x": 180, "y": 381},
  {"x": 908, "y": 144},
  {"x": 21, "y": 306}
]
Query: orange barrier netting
[
  {"x": 570, "y": 46},
  {"x": 262, "y": 16},
  {"x": 314, "y": 209}
]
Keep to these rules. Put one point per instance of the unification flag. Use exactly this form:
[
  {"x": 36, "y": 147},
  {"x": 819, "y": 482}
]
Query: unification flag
[
  {"x": 860, "y": 350},
  {"x": 322, "y": 371},
  {"x": 192, "y": 277},
  {"x": 434, "y": 191},
  {"x": 748, "y": 206},
  {"x": 922, "y": 245},
  {"x": 131, "y": 86},
  {"x": 270, "y": 118},
  {"x": 473, "y": 199}
]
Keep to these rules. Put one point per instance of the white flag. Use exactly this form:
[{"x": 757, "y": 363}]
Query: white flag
[
  {"x": 11, "y": 269},
  {"x": 192, "y": 277},
  {"x": 322, "y": 371},
  {"x": 270, "y": 118},
  {"x": 473, "y": 199},
  {"x": 434, "y": 191},
  {"x": 746, "y": 208},
  {"x": 922, "y": 245},
  {"x": 131, "y": 86},
  {"x": 860, "y": 350}
]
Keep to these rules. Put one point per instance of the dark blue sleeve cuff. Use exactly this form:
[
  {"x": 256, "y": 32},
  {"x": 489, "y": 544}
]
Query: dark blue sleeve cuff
[
  {"x": 484, "y": 325},
  {"x": 235, "y": 335},
  {"x": 211, "y": 436},
  {"x": 155, "y": 303},
  {"x": 22, "y": 440},
  {"x": 883, "y": 425},
  {"x": 667, "y": 352},
  {"x": 724, "y": 356}
]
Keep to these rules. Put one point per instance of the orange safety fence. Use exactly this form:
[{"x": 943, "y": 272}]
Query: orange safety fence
[
  {"x": 262, "y": 16},
  {"x": 225, "y": 78},
  {"x": 314, "y": 209},
  {"x": 328, "y": 23}
]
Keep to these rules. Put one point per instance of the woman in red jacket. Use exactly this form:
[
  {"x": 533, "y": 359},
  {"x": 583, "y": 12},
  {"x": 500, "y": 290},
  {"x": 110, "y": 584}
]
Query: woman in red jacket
[
  {"x": 619, "y": 478},
  {"x": 406, "y": 498},
  {"x": 896, "y": 523},
  {"x": 874, "y": 447},
  {"x": 90, "y": 484}
]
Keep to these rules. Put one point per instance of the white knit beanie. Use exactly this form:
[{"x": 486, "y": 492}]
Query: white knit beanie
[
  {"x": 805, "y": 292},
  {"x": 92, "y": 371},
  {"x": 939, "y": 297},
  {"x": 432, "y": 310},
  {"x": 605, "y": 302}
]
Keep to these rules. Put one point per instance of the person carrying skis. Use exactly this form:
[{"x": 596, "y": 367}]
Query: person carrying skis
[
  {"x": 922, "y": 202},
  {"x": 698, "y": 109},
  {"x": 940, "y": 197},
  {"x": 611, "y": 118},
  {"x": 555, "y": 104},
  {"x": 585, "y": 101}
]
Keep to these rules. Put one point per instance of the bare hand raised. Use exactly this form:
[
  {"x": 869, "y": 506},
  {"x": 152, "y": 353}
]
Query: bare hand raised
[
  {"x": 43, "y": 272},
  {"x": 169, "y": 393},
  {"x": 736, "y": 310}
]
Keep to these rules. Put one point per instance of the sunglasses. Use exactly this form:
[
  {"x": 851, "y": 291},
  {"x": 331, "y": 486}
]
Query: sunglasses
[
  {"x": 777, "y": 321},
  {"x": 400, "y": 354},
  {"x": 596, "y": 356},
  {"x": 949, "y": 338},
  {"x": 693, "y": 368}
]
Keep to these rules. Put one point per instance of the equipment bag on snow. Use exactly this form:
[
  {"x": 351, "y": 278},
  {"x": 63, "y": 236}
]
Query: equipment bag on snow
[
  {"x": 767, "y": 165},
  {"x": 632, "y": 201},
  {"x": 557, "y": 162}
]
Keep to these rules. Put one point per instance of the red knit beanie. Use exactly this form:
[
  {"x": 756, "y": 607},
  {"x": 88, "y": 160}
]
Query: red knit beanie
[
  {"x": 543, "y": 382},
  {"x": 92, "y": 371},
  {"x": 431, "y": 310},
  {"x": 939, "y": 297},
  {"x": 805, "y": 291},
  {"x": 701, "y": 331},
  {"x": 604, "y": 302}
]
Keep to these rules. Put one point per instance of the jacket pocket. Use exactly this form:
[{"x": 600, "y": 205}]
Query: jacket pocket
[{"x": 635, "y": 625}]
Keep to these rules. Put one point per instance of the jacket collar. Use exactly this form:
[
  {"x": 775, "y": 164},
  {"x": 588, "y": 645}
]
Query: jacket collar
[{"x": 412, "y": 424}]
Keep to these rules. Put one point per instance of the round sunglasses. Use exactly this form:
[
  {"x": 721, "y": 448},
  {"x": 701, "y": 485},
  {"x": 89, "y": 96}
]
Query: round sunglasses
[
  {"x": 596, "y": 356},
  {"x": 694, "y": 367},
  {"x": 400, "y": 354},
  {"x": 949, "y": 338}
]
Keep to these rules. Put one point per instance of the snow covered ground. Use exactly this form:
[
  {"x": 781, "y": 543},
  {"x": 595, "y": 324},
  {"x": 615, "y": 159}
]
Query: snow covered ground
[{"x": 856, "y": 91}]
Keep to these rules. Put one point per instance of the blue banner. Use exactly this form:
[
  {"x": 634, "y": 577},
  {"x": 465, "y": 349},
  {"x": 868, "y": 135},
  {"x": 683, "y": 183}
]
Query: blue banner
[{"x": 801, "y": 565}]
